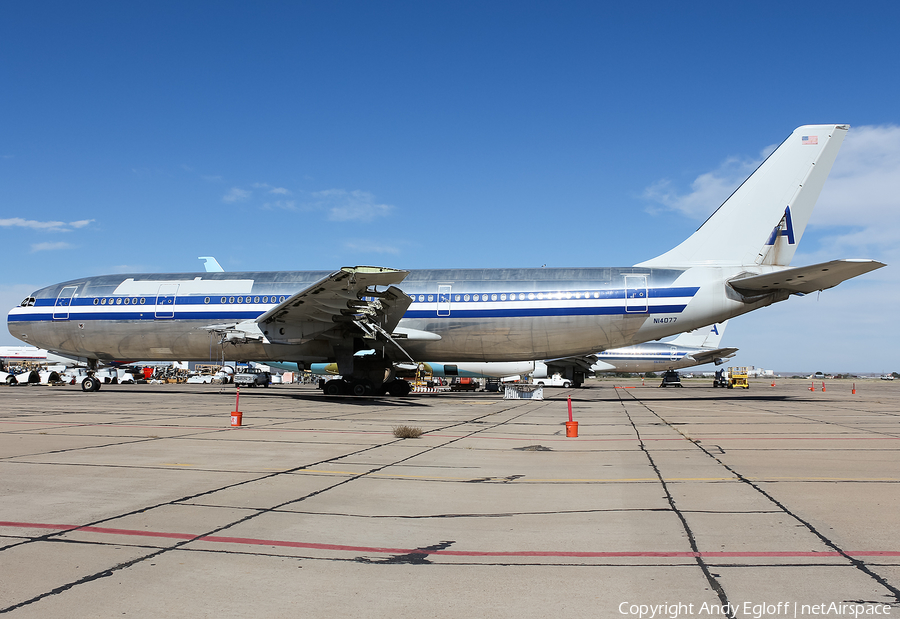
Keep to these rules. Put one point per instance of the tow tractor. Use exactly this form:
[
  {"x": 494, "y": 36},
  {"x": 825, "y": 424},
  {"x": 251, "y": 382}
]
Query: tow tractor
[
  {"x": 720, "y": 380},
  {"x": 671, "y": 379}
]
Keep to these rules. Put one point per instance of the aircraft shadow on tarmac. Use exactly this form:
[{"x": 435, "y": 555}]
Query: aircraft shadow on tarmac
[{"x": 423, "y": 400}]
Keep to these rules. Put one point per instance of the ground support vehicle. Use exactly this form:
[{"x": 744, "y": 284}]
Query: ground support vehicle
[
  {"x": 252, "y": 377},
  {"x": 464, "y": 384},
  {"x": 737, "y": 377},
  {"x": 553, "y": 381},
  {"x": 720, "y": 380},
  {"x": 671, "y": 379}
]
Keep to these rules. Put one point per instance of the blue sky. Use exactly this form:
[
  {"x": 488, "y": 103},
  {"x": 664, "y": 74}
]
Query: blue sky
[{"x": 137, "y": 136}]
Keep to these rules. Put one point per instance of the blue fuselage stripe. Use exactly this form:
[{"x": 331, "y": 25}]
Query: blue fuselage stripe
[{"x": 457, "y": 313}]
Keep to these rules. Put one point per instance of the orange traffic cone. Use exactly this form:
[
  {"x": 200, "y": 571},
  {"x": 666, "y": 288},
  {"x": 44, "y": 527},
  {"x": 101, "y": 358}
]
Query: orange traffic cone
[
  {"x": 571, "y": 426},
  {"x": 236, "y": 414}
]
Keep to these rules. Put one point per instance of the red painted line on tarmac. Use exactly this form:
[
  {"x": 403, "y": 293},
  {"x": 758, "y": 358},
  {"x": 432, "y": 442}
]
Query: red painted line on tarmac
[{"x": 250, "y": 541}]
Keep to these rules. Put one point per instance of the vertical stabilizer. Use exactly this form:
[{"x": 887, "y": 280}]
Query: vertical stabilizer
[{"x": 763, "y": 220}]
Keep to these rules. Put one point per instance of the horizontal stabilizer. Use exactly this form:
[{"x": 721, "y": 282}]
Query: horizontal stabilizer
[
  {"x": 704, "y": 337},
  {"x": 702, "y": 357},
  {"x": 804, "y": 280}
]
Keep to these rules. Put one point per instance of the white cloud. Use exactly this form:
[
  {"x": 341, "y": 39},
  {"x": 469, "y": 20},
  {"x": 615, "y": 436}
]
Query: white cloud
[
  {"x": 863, "y": 188},
  {"x": 708, "y": 190},
  {"x": 49, "y": 226},
  {"x": 861, "y": 197},
  {"x": 50, "y": 246},
  {"x": 343, "y": 205},
  {"x": 235, "y": 194},
  {"x": 338, "y": 204},
  {"x": 281, "y": 191}
]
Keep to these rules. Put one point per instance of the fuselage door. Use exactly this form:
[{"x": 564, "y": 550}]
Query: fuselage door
[
  {"x": 165, "y": 301},
  {"x": 673, "y": 353},
  {"x": 636, "y": 294},
  {"x": 443, "y": 305},
  {"x": 63, "y": 301}
]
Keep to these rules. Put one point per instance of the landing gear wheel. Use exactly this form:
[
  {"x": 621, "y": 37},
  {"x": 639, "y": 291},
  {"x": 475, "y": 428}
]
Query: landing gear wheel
[
  {"x": 90, "y": 384},
  {"x": 361, "y": 387},
  {"x": 334, "y": 387},
  {"x": 11, "y": 380},
  {"x": 399, "y": 388}
]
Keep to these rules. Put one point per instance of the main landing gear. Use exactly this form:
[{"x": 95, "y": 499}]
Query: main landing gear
[
  {"x": 338, "y": 386},
  {"x": 90, "y": 383}
]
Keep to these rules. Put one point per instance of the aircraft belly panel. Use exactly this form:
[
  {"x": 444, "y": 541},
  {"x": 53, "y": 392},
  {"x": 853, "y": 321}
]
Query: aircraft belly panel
[{"x": 515, "y": 339}]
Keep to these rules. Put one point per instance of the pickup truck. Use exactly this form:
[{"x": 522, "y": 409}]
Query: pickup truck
[
  {"x": 553, "y": 381},
  {"x": 252, "y": 377}
]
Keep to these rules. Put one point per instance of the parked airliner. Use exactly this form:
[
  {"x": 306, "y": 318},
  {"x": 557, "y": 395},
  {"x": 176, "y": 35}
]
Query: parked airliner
[
  {"x": 736, "y": 262},
  {"x": 697, "y": 347}
]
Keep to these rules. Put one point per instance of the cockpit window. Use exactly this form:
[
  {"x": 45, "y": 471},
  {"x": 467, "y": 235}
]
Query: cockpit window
[{"x": 28, "y": 302}]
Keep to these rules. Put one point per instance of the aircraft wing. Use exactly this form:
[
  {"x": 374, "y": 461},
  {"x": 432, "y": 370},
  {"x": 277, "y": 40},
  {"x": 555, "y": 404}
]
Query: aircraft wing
[
  {"x": 581, "y": 364},
  {"x": 345, "y": 301},
  {"x": 717, "y": 355},
  {"x": 807, "y": 279}
]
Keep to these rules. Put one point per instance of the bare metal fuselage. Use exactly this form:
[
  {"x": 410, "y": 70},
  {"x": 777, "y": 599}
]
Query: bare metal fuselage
[{"x": 456, "y": 315}]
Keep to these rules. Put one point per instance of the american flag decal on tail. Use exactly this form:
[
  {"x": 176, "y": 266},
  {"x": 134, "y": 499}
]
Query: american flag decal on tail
[{"x": 809, "y": 139}]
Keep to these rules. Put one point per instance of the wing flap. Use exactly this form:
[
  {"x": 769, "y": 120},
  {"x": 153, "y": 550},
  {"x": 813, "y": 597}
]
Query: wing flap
[
  {"x": 345, "y": 299},
  {"x": 804, "y": 280}
]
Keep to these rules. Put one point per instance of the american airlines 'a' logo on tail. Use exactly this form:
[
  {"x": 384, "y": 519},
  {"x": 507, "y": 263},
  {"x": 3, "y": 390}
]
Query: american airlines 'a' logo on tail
[{"x": 785, "y": 227}]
